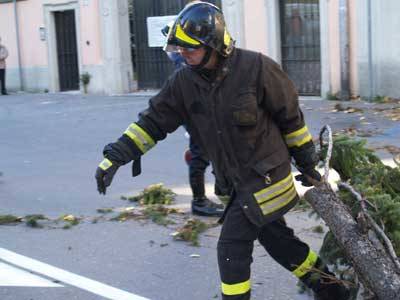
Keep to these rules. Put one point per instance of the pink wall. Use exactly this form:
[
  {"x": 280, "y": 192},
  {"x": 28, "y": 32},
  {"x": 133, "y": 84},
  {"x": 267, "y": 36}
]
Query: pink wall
[
  {"x": 33, "y": 50},
  {"x": 7, "y": 33},
  {"x": 255, "y": 26},
  {"x": 354, "y": 91},
  {"x": 90, "y": 32},
  {"x": 334, "y": 45}
]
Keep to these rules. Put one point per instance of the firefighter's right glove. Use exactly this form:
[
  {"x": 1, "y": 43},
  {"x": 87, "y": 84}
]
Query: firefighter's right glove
[
  {"x": 306, "y": 159},
  {"x": 115, "y": 155},
  {"x": 104, "y": 174},
  {"x": 307, "y": 176}
]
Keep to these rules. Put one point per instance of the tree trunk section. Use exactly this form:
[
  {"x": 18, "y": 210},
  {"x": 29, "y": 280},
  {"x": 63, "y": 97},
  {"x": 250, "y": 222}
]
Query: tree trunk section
[{"x": 374, "y": 267}]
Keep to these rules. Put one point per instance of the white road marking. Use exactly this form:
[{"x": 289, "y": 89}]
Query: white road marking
[
  {"x": 81, "y": 282},
  {"x": 11, "y": 276}
]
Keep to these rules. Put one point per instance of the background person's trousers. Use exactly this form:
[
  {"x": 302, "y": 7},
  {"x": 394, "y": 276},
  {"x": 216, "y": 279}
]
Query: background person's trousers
[
  {"x": 235, "y": 247},
  {"x": 3, "y": 80},
  {"x": 197, "y": 168}
]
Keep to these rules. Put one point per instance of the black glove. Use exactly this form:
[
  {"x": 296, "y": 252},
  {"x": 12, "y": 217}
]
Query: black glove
[
  {"x": 104, "y": 174},
  {"x": 312, "y": 173},
  {"x": 115, "y": 155}
]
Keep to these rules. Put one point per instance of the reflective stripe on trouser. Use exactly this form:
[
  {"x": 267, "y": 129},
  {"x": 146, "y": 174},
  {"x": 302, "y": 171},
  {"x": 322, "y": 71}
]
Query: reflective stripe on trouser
[
  {"x": 234, "y": 259},
  {"x": 235, "y": 248}
]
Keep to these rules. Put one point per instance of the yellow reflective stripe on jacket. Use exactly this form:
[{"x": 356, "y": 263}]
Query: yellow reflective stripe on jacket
[
  {"x": 279, "y": 202},
  {"x": 180, "y": 34},
  {"x": 274, "y": 190},
  {"x": 105, "y": 164},
  {"x": 140, "y": 137},
  {"x": 298, "y": 137},
  {"x": 307, "y": 265},
  {"x": 236, "y": 289}
]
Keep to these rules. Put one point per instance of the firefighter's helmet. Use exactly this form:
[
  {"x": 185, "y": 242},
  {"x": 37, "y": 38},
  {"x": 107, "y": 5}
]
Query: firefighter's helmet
[{"x": 200, "y": 24}]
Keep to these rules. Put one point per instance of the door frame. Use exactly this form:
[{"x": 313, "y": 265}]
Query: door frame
[
  {"x": 48, "y": 11},
  {"x": 274, "y": 39}
]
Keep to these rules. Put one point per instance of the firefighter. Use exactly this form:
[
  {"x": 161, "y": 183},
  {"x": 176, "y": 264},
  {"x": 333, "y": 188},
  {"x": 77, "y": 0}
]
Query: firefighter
[
  {"x": 243, "y": 111},
  {"x": 196, "y": 159}
]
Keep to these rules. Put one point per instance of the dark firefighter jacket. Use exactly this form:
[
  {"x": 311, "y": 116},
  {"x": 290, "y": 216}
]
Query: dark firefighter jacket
[{"x": 246, "y": 119}]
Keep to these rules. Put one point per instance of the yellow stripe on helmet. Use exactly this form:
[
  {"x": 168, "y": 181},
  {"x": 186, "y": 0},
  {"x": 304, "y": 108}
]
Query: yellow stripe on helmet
[
  {"x": 180, "y": 34},
  {"x": 227, "y": 38}
]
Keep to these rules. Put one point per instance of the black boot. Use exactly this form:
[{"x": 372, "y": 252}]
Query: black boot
[
  {"x": 332, "y": 291},
  {"x": 205, "y": 207},
  {"x": 325, "y": 285}
]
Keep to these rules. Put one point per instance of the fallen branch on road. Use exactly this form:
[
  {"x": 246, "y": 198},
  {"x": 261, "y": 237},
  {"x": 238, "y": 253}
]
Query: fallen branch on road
[{"x": 356, "y": 232}]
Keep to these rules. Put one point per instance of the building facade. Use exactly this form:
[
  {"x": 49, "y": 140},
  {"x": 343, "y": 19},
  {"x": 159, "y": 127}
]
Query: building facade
[
  {"x": 330, "y": 48},
  {"x": 358, "y": 42},
  {"x": 53, "y": 42}
]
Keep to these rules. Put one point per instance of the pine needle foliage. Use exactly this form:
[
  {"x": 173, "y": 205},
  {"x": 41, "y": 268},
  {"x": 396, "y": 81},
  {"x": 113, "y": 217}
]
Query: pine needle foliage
[
  {"x": 191, "y": 231},
  {"x": 376, "y": 182},
  {"x": 153, "y": 194}
]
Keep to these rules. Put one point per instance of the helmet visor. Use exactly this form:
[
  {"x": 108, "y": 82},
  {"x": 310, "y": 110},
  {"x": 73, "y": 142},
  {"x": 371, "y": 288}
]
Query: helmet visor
[{"x": 177, "y": 38}]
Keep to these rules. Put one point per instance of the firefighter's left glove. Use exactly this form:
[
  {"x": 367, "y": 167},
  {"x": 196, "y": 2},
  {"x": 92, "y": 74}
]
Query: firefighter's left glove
[
  {"x": 104, "y": 174},
  {"x": 308, "y": 177}
]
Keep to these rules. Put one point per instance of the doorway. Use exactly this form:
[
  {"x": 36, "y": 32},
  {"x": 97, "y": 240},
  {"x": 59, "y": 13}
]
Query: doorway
[
  {"x": 67, "y": 53},
  {"x": 300, "y": 44}
]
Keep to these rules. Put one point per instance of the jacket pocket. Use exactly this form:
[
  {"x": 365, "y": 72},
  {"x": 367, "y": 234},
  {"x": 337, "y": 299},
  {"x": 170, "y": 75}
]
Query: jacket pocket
[
  {"x": 243, "y": 122},
  {"x": 279, "y": 190},
  {"x": 265, "y": 166},
  {"x": 244, "y": 108}
]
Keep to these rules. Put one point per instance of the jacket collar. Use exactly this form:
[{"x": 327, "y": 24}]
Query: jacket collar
[{"x": 223, "y": 70}]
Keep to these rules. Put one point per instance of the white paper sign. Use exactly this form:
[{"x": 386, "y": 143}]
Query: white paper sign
[{"x": 154, "y": 26}]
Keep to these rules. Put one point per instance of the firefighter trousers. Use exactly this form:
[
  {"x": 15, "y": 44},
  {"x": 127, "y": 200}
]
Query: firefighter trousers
[{"x": 235, "y": 247}]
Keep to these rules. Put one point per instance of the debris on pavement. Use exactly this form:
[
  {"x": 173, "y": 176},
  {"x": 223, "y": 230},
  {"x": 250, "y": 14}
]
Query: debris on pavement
[
  {"x": 348, "y": 110},
  {"x": 9, "y": 219},
  {"x": 158, "y": 214},
  {"x": 153, "y": 194},
  {"x": 69, "y": 221},
  {"x": 394, "y": 150},
  {"x": 191, "y": 230},
  {"x": 127, "y": 213},
  {"x": 34, "y": 220},
  {"x": 353, "y": 131},
  {"x": 392, "y": 113},
  {"x": 105, "y": 210}
]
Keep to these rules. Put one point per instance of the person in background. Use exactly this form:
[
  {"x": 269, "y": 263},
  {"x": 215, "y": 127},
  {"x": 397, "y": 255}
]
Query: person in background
[
  {"x": 243, "y": 110},
  {"x": 196, "y": 160},
  {"x": 3, "y": 57}
]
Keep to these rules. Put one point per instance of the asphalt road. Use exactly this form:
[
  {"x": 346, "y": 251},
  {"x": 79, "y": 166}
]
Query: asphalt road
[{"x": 50, "y": 147}]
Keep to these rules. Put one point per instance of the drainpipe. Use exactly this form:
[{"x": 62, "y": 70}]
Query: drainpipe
[
  {"x": 370, "y": 65},
  {"x": 344, "y": 50},
  {"x": 21, "y": 85}
]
